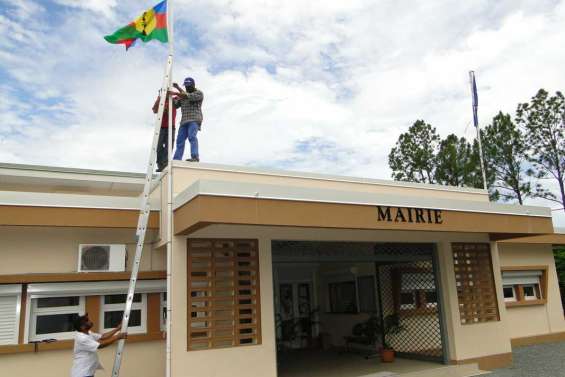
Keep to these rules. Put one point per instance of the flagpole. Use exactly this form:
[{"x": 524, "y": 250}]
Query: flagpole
[
  {"x": 476, "y": 122},
  {"x": 170, "y": 37}
]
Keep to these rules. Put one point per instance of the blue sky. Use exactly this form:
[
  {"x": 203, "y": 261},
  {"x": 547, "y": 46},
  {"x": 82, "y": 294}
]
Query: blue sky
[{"x": 320, "y": 86}]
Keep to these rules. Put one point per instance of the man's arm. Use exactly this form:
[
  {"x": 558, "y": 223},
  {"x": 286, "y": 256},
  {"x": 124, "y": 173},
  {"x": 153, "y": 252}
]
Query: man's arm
[
  {"x": 103, "y": 343},
  {"x": 156, "y": 105},
  {"x": 111, "y": 333},
  {"x": 195, "y": 96}
]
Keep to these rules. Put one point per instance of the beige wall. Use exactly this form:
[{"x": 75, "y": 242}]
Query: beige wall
[
  {"x": 465, "y": 341},
  {"x": 257, "y": 360},
  {"x": 145, "y": 359},
  {"x": 538, "y": 319},
  {"x": 55, "y": 249},
  {"x": 468, "y": 341},
  {"x": 185, "y": 176}
]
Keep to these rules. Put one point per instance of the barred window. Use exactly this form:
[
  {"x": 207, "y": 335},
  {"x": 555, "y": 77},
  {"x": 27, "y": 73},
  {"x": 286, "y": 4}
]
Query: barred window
[{"x": 223, "y": 293}]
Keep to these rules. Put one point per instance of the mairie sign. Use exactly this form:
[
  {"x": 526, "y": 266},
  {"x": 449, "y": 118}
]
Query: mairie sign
[{"x": 409, "y": 215}]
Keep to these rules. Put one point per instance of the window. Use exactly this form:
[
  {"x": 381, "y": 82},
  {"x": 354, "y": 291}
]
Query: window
[
  {"x": 408, "y": 300},
  {"x": 523, "y": 285},
  {"x": 509, "y": 293},
  {"x": 430, "y": 297},
  {"x": 10, "y": 299},
  {"x": 531, "y": 291},
  {"x": 367, "y": 297},
  {"x": 343, "y": 297},
  {"x": 112, "y": 311},
  {"x": 417, "y": 290},
  {"x": 52, "y": 317},
  {"x": 223, "y": 293}
]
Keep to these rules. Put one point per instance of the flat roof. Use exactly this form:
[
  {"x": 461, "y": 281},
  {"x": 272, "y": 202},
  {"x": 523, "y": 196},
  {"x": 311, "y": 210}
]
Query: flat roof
[
  {"x": 36, "y": 178},
  {"x": 322, "y": 177},
  {"x": 305, "y": 194},
  {"x": 63, "y": 200},
  {"x": 61, "y": 169}
]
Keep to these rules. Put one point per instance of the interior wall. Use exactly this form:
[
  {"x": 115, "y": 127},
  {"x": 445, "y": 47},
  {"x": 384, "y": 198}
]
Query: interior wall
[
  {"x": 339, "y": 325},
  {"x": 26, "y": 249},
  {"x": 539, "y": 319}
]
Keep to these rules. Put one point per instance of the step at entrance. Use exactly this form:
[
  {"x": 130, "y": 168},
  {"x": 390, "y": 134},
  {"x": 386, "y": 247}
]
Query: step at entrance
[{"x": 466, "y": 370}]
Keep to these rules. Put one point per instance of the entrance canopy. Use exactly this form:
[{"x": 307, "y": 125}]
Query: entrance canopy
[{"x": 208, "y": 202}]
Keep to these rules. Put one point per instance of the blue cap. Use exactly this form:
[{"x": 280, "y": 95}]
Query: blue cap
[{"x": 188, "y": 81}]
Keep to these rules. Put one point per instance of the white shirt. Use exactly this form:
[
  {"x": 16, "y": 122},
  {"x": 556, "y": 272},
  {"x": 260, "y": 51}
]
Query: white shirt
[{"x": 85, "y": 356}]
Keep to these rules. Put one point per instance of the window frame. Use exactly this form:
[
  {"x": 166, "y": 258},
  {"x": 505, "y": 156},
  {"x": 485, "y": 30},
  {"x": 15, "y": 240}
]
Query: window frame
[
  {"x": 373, "y": 280},
  {"x": 141, "y": 329},
  {"x": 332, "y": 305},
  {"x": 539, "y": 287},
  {"x": 34, "y": 312},
  {"x": 420, "y": 305},
  {"x": 535, "y": 290},
  {"x": 514, "y": 297},
  {"x": 413, "y": 306}
]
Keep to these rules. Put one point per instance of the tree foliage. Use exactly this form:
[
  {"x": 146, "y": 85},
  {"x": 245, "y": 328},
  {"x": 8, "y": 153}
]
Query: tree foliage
[
  {"x": 515, "y": 153},
  {"x": 504, "y": 149},
  {"x": 413, "y": 157},
  {"x": 457, "y": 163},
  {"x": 543, "y": 121}
]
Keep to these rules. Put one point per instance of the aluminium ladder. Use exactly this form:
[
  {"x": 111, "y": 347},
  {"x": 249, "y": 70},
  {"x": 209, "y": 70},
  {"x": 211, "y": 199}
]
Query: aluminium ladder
[{"x": 145, "y": 210}]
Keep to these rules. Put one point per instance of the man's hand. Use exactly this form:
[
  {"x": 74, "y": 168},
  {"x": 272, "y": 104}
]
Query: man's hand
[
  {"x": 119, "y": 327},
  {"x": 123, "y": 335}
]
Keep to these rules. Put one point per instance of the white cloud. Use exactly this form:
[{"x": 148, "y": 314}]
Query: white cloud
[
  {"x": 104, "y": 7},
  {"x": 350, "y": 77}
]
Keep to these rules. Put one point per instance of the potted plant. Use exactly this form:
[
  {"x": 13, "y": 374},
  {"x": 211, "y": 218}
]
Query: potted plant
[{"x": 392, "y": 326}]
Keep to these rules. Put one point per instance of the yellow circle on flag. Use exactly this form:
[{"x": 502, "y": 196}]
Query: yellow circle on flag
[{"x": 146, "y": 22}]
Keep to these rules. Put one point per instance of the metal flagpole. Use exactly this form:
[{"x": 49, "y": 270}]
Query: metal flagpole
[
  {"x": 170, "y": 23},
  {"x": 476, "y": 122},
  {"x": 145, "y": 210}
]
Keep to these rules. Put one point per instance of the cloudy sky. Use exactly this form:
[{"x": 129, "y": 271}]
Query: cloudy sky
[{"x": 319, "y": 85}]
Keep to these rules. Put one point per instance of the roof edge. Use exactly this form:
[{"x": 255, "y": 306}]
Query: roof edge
[
  {"x": 277, "y": 192},
  {"x": 323, "y": 177}
]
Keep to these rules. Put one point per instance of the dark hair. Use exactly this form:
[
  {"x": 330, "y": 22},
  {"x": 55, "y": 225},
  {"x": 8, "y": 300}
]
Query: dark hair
[{"x": 80, "y": 321}]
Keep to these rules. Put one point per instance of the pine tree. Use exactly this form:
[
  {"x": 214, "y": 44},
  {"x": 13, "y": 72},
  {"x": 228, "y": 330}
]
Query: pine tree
[
  {"x": 504, "y": 147},
  {"x": 413, "y": 157},
  {"x": 543, "y": 121}
]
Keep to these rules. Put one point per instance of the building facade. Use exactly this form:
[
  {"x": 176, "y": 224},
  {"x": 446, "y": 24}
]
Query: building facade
[{"x": 269, "y": 268}]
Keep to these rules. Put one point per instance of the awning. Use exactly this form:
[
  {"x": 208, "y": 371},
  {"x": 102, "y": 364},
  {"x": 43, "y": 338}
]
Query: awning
[
  {"x": 217, "y": 202},
  {"x": 94, "y": 288}
]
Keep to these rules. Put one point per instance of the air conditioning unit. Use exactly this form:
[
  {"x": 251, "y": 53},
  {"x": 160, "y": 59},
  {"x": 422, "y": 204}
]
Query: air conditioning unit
[{"x": 101, "y": 258}]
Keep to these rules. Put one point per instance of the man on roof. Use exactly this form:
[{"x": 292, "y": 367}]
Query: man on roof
[
  {"x": 163, "y": 143},
  {"x": 190, "y": 102}
]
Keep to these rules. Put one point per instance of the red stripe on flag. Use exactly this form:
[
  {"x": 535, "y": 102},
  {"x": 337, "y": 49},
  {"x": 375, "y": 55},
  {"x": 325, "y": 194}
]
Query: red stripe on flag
[{"x": 161, "y": 20}]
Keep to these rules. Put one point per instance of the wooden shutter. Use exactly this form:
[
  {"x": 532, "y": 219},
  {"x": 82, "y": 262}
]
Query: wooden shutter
[
  {"x": 9, "y": 313},
  {"x": 474, "y": 279},
  {"x": 223, "y": 293}
]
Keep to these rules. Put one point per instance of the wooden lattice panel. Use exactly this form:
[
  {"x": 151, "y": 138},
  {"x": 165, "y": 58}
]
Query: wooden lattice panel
[
  {"x": 223, "y": 293},
  {"x": 474, "y": 279}
]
